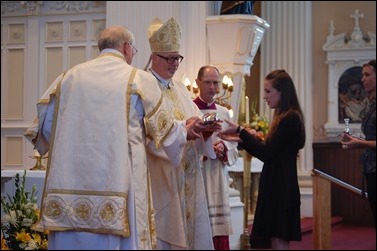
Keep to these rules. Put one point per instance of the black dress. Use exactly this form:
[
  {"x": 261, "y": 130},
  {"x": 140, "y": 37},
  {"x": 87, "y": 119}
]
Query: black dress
[
  {"x": 368, "y": 158},
  {"x": 278, "y": 206}
]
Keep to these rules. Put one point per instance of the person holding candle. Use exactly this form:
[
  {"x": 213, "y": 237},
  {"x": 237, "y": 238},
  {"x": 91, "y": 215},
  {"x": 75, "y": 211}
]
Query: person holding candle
[{"x": 277, "y": 215}]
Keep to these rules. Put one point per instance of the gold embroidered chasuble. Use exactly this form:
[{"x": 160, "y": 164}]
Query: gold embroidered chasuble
[
  {"x": 93, "y": 195},
  {"x": 96, "y": 154},
  {"x": 178, "y": 191}
]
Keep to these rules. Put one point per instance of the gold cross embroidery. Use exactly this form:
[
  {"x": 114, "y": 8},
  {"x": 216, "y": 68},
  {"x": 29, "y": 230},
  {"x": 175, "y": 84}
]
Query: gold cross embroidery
[{"x": 144, "y": 239}]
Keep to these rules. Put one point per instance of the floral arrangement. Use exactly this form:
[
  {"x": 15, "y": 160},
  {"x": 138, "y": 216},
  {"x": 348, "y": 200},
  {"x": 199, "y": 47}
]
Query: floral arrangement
[
  {"x": 20, "y": 213},
  {"x": 260, "y": 124}
]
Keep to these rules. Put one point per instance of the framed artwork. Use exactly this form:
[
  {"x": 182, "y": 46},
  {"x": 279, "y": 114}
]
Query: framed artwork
[{"x": 352, "y": 98}]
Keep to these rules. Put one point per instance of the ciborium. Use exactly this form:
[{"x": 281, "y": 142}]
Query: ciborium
[{"x": 38, "y": 164}]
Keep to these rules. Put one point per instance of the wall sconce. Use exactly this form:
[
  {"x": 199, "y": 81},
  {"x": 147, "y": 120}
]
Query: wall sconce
[
  {"x": 224, "y": 98},
  {"x": 195, "y": 88},
  {"x": 188, "y": 84},
  {"x": 192, "y": 88}
]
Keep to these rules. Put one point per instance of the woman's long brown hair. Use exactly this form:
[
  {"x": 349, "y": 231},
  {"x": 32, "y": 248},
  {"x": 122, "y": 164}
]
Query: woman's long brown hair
[{"x": 283, "y": 83}]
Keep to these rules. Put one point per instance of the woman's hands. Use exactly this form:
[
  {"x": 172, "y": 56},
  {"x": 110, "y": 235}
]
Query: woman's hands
[
  {"x": 231, "y": 133},
  {"x": 348, "y": 141}
]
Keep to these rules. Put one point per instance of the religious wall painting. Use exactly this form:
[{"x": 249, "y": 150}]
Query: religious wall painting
[{"x": 352, "y": 98}]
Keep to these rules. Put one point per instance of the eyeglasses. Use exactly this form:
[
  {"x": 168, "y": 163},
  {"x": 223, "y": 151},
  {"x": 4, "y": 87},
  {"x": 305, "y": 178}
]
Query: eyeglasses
[
  {"x": 134, "y": 50},
  {"x": 172, "y": 59}
]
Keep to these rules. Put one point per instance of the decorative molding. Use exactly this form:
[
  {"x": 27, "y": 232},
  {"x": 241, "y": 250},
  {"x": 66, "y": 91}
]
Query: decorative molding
[
  {"x": 77, "y": 6},
  {"x": 32, "y": 7},
  {"x": 347, "y": 42},
  {"x": 233, "y": 53},
  {"x": 97, "y": 27},
  {"x": 342, "y": 41},
  {"x": 8, "y": 7},
  {"x": 54, "y": 31},
  {"x": 238, "y": 48},
  {"x": 29, "y": 8},
  {"x": 77, "y": 31},
  {"x": 16, "y": 33}
]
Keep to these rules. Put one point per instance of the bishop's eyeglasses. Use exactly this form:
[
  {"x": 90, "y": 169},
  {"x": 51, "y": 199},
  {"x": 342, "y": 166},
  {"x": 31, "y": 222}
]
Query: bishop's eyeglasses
[{"x": 172, "y": 59}]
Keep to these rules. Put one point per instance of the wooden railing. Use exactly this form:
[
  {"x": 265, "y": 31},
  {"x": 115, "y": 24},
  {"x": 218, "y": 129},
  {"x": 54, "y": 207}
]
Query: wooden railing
[
  {"x": 322, "y": 207},
  {"x": 330, "y": 158}
]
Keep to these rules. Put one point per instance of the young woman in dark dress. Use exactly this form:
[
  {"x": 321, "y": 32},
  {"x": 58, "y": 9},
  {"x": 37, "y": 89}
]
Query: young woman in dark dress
[{"x": 277, "y": 216}]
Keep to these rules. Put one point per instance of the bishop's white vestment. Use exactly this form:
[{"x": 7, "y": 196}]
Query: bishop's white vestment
[
  {"x": 182, "y": 218},
  {"x": 96, "y": 193}
]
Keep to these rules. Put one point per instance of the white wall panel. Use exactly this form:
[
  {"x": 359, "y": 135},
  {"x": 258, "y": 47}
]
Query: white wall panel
[
  {"x": 77, "y": 55},
  {"x": 13, "y": 151},
  {"x": 15, "y": 87},
  {"x": 53, "y": 65},
  {"x": 37, "y": 45}
]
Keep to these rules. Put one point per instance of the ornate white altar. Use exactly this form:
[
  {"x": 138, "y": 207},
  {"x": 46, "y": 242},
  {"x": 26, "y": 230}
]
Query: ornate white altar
[{"x": 345, "y": 53}]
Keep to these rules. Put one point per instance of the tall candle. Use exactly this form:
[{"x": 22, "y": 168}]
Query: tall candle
[{"x": 247, "y": 119}]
